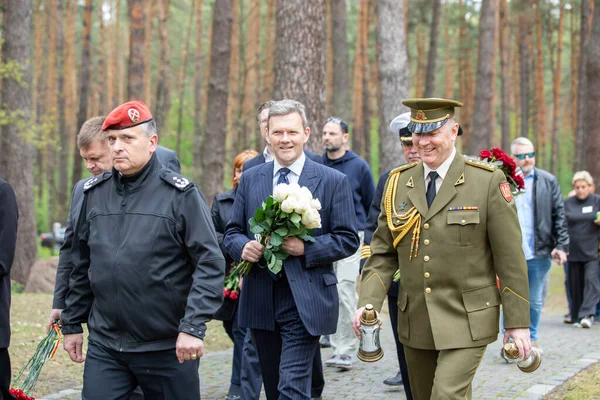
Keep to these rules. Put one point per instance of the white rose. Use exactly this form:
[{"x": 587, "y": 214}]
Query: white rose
[
  {"x": 316, "y": 204},
  {"x": 306, "y": 194},
  {"x": 302, "y": 205},
  {"x": 280, "y": 193},
  {"x": 311, "y": 219},
  {"x": 289, "y": 204}
]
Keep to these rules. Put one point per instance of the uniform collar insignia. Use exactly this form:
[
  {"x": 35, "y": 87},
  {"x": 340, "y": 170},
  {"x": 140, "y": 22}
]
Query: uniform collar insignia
[
  {"x": 460, "y": 180},
  {"x": 402, "y": 206},
  {"x": 410, "y": 183}
]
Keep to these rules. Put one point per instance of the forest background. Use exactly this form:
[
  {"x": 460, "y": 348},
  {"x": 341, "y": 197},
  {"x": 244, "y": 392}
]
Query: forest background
[{"x": 521, "y": 67}]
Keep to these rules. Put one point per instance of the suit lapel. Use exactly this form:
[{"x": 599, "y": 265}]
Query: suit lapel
[
  {"x": 309, "y": 177},
  {"x": 417, "y": 193},
  {"x": 447, "y": 190},
  {"x": 265, "y": 188}
]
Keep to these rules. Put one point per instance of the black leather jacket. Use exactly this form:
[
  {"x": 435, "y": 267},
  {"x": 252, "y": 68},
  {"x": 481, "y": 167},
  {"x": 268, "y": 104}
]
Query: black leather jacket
[
  {"x": 548, "y": 215},
  {"x": 221, "y": 214},
  {"x": 146, "y": 261}
]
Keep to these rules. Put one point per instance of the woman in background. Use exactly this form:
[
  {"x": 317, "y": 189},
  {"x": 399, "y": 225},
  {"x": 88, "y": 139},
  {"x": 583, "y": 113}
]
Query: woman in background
[
  {"x": 221, "y": 213},
  {"x": 582, "y": 212}
]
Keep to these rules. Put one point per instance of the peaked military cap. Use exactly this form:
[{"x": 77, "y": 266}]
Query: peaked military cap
[
  {"x": 127, "y": 115},
  {"x": 400, "y": 125},
  {"x": 427, "y": 115}
]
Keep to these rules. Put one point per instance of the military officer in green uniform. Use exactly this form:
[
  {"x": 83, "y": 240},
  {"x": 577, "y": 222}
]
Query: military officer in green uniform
[{"x": 449, "y": 225}]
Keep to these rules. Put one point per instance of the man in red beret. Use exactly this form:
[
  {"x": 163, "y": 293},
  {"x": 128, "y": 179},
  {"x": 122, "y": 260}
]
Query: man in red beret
[{"x": 148, "y": 271}]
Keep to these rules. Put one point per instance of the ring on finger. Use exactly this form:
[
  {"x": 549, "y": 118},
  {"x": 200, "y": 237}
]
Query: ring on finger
[{"x": 194, "y": 356}]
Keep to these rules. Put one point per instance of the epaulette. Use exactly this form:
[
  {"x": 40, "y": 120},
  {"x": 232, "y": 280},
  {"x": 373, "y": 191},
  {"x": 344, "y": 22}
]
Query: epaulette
[
  {"x": 402, "y": 168},
  {"x": 179, "y": 181},
  {"x": 481, "y": 164},
  {"x": 95, "y": 181}
]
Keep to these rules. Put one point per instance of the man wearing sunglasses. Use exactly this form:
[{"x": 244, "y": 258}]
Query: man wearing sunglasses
[{"x": 544, "y": 230}]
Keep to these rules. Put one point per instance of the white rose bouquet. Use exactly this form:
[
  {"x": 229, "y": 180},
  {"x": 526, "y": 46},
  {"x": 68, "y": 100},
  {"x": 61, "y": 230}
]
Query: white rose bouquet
[{"x": 290, "y": 211}]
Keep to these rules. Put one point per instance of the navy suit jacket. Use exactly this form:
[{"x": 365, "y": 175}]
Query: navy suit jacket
[
  {"x": 311, "y": 277},
  {"x": 260, "y": 159}
]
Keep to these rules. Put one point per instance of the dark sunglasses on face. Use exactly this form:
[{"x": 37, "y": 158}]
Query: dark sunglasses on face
[{"x": 524, "y": 155}]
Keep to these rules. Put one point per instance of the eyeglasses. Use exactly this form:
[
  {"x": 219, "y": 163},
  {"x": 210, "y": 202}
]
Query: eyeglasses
[{"x": 524, "y": 155}]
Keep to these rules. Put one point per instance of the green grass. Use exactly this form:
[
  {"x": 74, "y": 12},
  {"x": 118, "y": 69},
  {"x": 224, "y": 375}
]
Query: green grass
[
  {"x": 582, "y": 386},
  {"x": 29, "y": 315}
]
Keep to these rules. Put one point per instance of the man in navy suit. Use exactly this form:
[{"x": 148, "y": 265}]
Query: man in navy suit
[
  {"x": 287, "y": 313},
  {"x": 267, "y": 155}
]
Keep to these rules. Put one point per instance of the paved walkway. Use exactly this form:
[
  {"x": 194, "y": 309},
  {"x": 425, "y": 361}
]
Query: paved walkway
[{"x": 567, "y": 350}]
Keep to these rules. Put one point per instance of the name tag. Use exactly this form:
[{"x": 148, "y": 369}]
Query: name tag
[{"x": 587, "y": 210}]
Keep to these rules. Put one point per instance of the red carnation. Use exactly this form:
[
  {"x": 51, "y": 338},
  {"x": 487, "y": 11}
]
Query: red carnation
[
  {"x": 485, "y": 154},
  {"x": 226, "y": 292},
  {"x": 519, "y": 181},
  {"x": 20, "y": 395},
  {"x": 507, "y": 162},
  {"x": 233, "y": 295}
]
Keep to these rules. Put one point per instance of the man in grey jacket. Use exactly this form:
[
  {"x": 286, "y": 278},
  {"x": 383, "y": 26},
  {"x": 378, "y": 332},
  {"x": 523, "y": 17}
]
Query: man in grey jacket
[
  {"x": 544, "y": 230},
  {"x": 148, "y": 271}
]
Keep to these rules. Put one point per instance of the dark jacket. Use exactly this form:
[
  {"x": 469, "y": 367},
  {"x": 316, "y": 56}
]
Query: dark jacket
[
  {"x": 260, "y": 159},
  {"x": 372, "y": 217},
  {"x": 9, "y": 215},
  {"x": 147, "y": 263},
  {"x": 548, "y": 215},
  {"x": 221, "y": 214},
  {"x": 166, "y": 157},
  {"x": 361, "y": 180}
]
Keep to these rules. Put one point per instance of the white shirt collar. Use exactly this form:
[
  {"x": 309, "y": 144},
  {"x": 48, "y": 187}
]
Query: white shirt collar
[
  {"x": 268, "y": 156},
  {"x": 296, "y": 167},
  {"x": 442, "y": 169}
]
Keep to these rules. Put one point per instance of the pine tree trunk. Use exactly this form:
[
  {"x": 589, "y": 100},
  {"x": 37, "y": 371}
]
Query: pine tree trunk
[
  {"x": 504, "y": 46},
  {"x": 137, "y": 37},
  {"x": 525, "y": 34},
  {"x": 575, "y": 48},
  {"x": 360, "y": 70},
  {"x": 268, "y": 80},
  {"x": 116, "y": 56},
  {"x": 70, "y": 91},
  {"x": 582, "y": 93},
  {"x": 466, "y": 80},
  {"x": 300, "y": 62},
  {"x": 328, "y": 59},
  {"x": 341, "y": 64},
  {"x": 483, "y": 119},
  {"x": 63, "y": 135},
  {"x": 540, "y": 112},
  {"x": 213, "y": 147},
  {"x": 149, "y": 13},
  {"x": 163, "y": 88},
  {"x": 393, "y": 77},
  {"x": 593, "y": 99},
  {"x": 39, "y": 84},
  {"x": 182, "y": 76},
  {"x": 84, "y": 80},
  {"x": 433, "y": 44},
  {"x": 235, "y": 85},
  {"x": 252, "y": 61},
  {"x": 198, "y": 84},
  {"x": 101, "y": 55},
  {"x": 16, "y": 151},
  {"x": 556, "y": 90},
  {"x": 449, "y": 61}
]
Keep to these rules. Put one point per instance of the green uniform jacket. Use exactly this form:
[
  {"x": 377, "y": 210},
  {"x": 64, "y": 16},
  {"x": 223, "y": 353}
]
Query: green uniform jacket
[{"x": 448, "y": 294}]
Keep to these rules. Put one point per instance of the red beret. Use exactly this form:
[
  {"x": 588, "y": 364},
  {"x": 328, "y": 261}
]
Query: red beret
[{"x": 127, "y": 115}]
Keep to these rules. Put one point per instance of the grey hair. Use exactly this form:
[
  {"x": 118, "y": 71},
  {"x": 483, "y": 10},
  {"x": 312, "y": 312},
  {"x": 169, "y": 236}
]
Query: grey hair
[
  {"x": 523, "y": 141},
  {"x": 149, "y": 128},
  {"x": 582, "y": 176},
  {"x": 288, "y": 106}
]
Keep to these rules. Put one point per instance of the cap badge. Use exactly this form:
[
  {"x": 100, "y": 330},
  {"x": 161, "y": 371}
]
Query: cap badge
[
  {"x": 134, "y": 115},
  {"x": 420, "y": 115}
]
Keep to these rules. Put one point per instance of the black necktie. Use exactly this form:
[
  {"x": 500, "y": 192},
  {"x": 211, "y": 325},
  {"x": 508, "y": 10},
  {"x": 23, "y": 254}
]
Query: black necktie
[
  {"x": 431, "y": 192},
  {"x": 283, "y": 173}
]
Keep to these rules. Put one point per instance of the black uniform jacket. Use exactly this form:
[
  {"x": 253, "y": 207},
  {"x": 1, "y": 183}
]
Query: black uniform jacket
[
  {"x": 9, "y": 215},
  {"x": 147, "y": 264}
]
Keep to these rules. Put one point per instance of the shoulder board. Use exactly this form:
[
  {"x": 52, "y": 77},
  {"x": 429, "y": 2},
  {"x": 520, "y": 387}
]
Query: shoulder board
[
  {"x": 179, "y": 181},
  {"x": 402, "y": 168},
  {"x": 481, "y": 164},
  {"x": 95, "y": 181}
]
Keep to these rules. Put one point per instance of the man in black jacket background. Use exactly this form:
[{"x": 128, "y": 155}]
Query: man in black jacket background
[
  {"x": 9, "y": 214},
  {"x": 543, "y": 226}
]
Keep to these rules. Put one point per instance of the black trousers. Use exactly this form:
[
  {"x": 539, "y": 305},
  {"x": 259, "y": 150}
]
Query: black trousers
[
  {"x": 113, "y": 375},
  {"x": 5, "y": 376},
  {"x": 236, "y": 333},
  {"x": 287, "y": 353},
  {"x": 393, "y": 309},
  {"x": 584, "y": 288}
]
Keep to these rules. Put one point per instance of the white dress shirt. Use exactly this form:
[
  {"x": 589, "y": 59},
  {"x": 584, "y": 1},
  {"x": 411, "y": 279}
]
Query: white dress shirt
[
  {"x": 295, "y": 170},
  {"x": 442, "y": 171}
]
